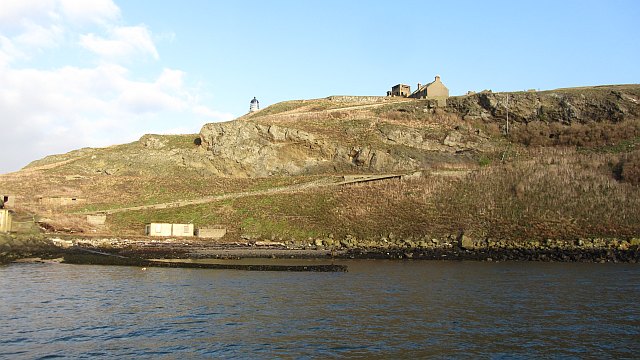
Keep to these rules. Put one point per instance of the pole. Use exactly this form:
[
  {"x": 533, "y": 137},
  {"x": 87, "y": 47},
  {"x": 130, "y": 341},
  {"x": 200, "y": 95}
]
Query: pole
[{"x": 507, "y": 114}]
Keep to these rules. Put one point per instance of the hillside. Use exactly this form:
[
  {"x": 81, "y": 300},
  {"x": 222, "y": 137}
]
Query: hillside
[{"x": 568, "y": 168}]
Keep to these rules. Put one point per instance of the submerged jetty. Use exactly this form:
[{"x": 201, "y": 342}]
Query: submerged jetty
[{"x": 98, "y": 259}]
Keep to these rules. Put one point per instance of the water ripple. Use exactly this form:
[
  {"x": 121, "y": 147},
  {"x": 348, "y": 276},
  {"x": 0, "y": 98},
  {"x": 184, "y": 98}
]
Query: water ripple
[{"x": 377, "y": 310}]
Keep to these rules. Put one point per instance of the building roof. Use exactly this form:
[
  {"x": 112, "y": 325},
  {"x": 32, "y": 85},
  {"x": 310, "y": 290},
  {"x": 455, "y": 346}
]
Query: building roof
[
  {"x": 254, "y": 100},
  {"x": 437, "y": 79}
]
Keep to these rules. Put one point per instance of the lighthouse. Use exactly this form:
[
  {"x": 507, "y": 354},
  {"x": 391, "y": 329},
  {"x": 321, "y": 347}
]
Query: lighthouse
[{"x": 254, "y": 106}]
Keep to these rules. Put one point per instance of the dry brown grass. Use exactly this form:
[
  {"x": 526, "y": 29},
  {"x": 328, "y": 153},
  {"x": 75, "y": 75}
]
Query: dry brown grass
[
  {"x": 628, "y": 168},
  {"x": 585, "y": 135},
  {"x": 556, "y": 196}
]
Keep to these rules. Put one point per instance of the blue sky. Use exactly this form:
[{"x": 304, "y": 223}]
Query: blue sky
[{"x": 77, "y": 73}]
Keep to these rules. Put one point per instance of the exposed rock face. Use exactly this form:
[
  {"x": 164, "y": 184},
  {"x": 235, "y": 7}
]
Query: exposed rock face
[
  {"x": 153, "y": 141},
  {"x": 245, "y": 148},
  {"x": 250, "y": 149},
  {"x": 611, "y": 103}
]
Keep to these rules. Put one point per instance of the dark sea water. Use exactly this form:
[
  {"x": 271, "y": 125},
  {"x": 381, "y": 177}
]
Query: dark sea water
[{"x": 379, "y": 309}]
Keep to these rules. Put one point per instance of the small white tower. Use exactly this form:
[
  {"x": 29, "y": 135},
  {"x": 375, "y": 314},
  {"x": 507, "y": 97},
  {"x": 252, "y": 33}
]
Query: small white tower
[{"x": 254, "y": 106}]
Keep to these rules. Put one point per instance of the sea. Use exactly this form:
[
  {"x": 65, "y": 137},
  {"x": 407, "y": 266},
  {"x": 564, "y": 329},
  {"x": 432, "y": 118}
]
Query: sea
[{"x": 379, "y": 309}]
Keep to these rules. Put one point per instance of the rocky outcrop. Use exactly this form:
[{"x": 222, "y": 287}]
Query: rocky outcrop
[
  {"x": 245, "y": 148},
  {"x": 241, "y": 148},
  {"x": 14, "y": 247},
  {"x": 606, "y": 103}
]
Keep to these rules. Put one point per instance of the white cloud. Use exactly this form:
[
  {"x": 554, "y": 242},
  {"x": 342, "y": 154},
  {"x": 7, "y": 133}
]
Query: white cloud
[
  {"x": 94, "y": 11},
  {"x": 38, "y": 36},
  {"x": 8, "y": 51},
  {"x": 123, "y": 42},
  {"x": 14, "y": 13},
  {"x": 52, "y": 109}
]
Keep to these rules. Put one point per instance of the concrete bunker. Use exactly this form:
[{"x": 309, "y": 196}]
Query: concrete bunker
[
  {"x": 7, "y": 201},
  {"x": 166, "y": 229}
]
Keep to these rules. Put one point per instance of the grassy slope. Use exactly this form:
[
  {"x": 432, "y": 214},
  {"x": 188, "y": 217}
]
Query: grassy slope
[{"x": 517, "y": 192}]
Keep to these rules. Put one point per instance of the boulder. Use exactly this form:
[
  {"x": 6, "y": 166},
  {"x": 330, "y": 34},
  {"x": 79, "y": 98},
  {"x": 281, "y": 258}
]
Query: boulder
[{"x": 466, "y": 242}]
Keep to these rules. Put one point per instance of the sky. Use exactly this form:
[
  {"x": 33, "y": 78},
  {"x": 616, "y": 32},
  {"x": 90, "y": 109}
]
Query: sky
[{"x": 94, "y": 73}]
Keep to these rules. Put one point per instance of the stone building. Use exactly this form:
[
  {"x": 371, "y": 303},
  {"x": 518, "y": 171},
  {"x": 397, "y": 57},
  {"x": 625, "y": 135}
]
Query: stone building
[
  {"x": 400, "y": 90},
  {"x": 254, "y": 105},
  {"x": 433, "y": 90}
]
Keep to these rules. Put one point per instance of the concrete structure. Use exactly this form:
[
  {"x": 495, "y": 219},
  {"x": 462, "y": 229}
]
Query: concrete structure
[
  {"x": 7, "y": 201},
  {"x": 400, "y": 90},
  {"x": 212, "y": 232},
  {"x": 165, "y": 229},
  {"x": 61, "y": 201},
  {"x": 158, "y": 229},
  {"x": 433, "y": 90},
  {"x": 254, "y": 105},
  {"x": 182, "y": 230},
  {"x": 97, "y": 220},
  {"x": 6, "y": 218}
]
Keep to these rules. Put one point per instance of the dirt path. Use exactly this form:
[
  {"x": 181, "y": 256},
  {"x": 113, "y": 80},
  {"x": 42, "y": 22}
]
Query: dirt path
[
  {"x": 324, "y": 182},
  {"x": 297, "y": 112}
]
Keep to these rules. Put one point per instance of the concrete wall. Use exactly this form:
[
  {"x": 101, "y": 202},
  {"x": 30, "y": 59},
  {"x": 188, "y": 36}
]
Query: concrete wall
[
  {"x": 182, "y": 230},
  {"x": 96, "y": 220},
  {"x": 212, "y": 233},
  {"x": 5, "y": 220},
  {"x": 158, "y": 229},
  {"x": 165, "y": 229},
  {"x": 9, "y": 200}
]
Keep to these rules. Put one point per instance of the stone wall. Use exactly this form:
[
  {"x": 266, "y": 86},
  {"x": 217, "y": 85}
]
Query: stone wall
[{"x": 356, "y": 99}]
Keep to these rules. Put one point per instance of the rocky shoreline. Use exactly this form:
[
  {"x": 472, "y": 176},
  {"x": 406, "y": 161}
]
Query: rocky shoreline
[{"x": 452, "y": 248}]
